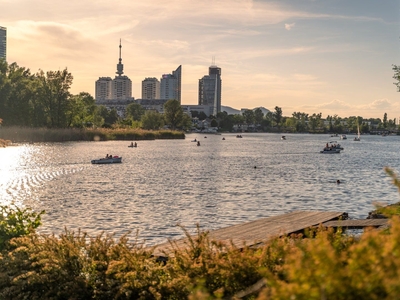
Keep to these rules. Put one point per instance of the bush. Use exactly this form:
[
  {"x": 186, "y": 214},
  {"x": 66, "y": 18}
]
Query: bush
[{"x": 15, "y": 222}]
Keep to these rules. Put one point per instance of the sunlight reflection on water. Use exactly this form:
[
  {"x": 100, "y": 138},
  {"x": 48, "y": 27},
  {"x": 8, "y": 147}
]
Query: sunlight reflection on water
[{"x": 167, "y": 182}]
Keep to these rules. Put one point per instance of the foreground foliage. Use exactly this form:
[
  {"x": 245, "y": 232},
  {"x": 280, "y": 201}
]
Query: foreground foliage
[
  {"x": 328, "y": 266},
  {"x": 324, "y": 265}
]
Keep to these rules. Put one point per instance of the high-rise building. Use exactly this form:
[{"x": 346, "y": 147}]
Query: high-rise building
[
  {"x": 122, "y": 85},
  {"x": 119, "y": 88},
  {"x": 103, "y": 89},
  {"x": 210, "y": 89},
  {"x": 150, "y": 88},
  {"x": 170, "y": 85},
  {"x": 3, "y": 43}
]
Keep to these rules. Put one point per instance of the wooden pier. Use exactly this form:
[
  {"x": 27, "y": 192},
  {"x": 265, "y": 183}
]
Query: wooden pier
[
  {"x": 255, "y": 233},
  {"x": 358, "y": 224}
]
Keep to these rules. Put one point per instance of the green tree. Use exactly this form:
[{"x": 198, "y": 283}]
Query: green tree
[
  {"x": 214, "y": 123},
  {"x": 277, "y": 115},
  {"x": 135, "y": 111},
  {"x": 258, "y": 116},
  {"x": 194, "y": 113},
  {"x": 248, "y": 116},
  {"x": 53, "y": 92},
  {"x": 83, "y": 109},
  {"x": 16, "y": 93},
  {"x": 173, "y": 113},
  {"x": 187, "y": 122},
  {"x": 15, "y": 222},
  {"x": 152, "y": 120},
  {"x": 112, "y": 117},
  {"x": 385, "y": 120},
  {"x": 202, "y": 116}
]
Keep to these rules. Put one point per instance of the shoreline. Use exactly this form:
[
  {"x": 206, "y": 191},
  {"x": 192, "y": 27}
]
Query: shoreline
[{"x": 37, "y": 135}]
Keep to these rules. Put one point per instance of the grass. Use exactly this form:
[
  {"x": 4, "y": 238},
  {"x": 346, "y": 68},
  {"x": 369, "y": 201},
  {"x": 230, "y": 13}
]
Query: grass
[{"x": 35, "y": 135}]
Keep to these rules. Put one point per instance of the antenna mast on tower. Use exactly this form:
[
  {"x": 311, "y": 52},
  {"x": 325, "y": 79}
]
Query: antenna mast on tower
[{"x": 120, "y": 66}]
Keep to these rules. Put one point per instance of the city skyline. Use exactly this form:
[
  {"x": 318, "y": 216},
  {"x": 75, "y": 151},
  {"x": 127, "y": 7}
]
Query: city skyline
[{"x": 311, "y": 56}]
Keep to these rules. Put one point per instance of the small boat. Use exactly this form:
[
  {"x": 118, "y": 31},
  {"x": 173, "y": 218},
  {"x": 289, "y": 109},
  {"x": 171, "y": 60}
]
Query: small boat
[
  {"x": 357, "y": 139},
  {"x": 239, "y": 136},
  {"x": 112, "y": 160},
  {"x": 330, "y": 151},
  {"x": 334, "y": 145},
  {"x": 343, "y": 137},
  {"x": 132, "y": 145},
  {"x": 283, "y": 137},
  {"x": 331, "y": 148}
]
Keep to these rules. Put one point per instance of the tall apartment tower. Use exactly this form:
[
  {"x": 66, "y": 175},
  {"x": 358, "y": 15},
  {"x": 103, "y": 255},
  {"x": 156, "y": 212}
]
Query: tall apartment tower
[
  {"x": 103, "y": 89},
  {"x": 121, "y": 84},
  {"x": 210, "y": 89},
  {"x": 3, "y": 42},
  {"x": 150, "y": 88},
  {"x": 170, "y": 85},
  {"x": 119, "y": 88}
]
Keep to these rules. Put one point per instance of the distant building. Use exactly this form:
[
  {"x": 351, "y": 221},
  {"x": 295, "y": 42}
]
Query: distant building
[
  {"x": 103, "y": 89},
  {"x": 170, "y": 85},
  {"x": 120, "y": 87},
  {"x": 3, "y": 42},
  {"x": 207, "y": 109},
  {"x": 210, "y": 89},
  {"x": 153, "y": 104},
  {"x": 150, "y": 88}
]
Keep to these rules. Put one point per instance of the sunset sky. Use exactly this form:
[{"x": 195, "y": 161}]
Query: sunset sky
[{"x": 312, "y": 56}]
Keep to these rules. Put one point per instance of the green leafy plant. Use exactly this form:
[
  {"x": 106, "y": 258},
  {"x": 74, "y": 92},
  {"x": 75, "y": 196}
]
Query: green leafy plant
[{"x": 15, "y": 222}]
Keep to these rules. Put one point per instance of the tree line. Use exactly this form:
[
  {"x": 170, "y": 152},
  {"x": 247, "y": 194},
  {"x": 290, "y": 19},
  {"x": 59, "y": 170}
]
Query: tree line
[{"x": 43, "y": 99}]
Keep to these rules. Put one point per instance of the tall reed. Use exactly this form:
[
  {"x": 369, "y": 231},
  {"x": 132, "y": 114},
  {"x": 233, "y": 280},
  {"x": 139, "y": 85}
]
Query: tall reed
[{"x": 35, "y": 135}]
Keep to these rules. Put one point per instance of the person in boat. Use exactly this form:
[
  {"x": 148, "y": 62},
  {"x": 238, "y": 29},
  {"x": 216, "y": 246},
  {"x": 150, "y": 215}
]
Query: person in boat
[
  {"x": 135, "y": 145},
  {"x": 132, "y": 144},
  {"x": 223, "y": 139},
  {"x": 198, "y": 143},
  {"x": 195, "y": 140}
]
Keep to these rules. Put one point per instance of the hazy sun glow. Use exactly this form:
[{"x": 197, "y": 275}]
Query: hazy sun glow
[{"x": 308, "y": 56}]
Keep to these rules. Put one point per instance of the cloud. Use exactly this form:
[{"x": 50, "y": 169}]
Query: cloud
[{"x": 289, "y": 26}]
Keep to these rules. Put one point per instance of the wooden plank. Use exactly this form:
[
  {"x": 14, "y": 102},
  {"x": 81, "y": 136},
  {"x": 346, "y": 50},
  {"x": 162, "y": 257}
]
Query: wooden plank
[
  {"x": 357, "y": 224},
  {"x": 259, "y": 231}
]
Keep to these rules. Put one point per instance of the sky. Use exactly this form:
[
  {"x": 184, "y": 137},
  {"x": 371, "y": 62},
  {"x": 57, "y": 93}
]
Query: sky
[{"x": 333, "y": 57}]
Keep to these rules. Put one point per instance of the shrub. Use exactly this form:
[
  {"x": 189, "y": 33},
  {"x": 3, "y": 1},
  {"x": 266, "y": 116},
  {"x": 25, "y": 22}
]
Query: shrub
[{"x": 15, "y": 222}]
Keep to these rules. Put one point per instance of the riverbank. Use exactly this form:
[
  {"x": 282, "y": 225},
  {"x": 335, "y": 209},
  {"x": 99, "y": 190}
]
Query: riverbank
[{"x": 38, "y": 135}]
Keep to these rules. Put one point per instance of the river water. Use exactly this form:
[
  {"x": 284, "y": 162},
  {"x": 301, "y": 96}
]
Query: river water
[{"x": 163, "y": 183}]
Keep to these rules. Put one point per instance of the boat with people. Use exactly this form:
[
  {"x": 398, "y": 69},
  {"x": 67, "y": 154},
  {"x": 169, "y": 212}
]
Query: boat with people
[
  {"x": 109, "y": 159},
  {"x": 283, "y": 137},
  {"x": 343, "y": 137},
  {"x": 330, "y": 151},
  {"x": 133, "y": 145},
  {"x": 331, "y": 148},
  {"x": 334, "y": 144},
  {"x": 239, "y": 136}
]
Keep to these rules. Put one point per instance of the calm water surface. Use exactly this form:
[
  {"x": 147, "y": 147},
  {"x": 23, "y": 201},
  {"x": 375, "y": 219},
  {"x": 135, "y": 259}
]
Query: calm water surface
[{"x": 167, "y": 182}]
